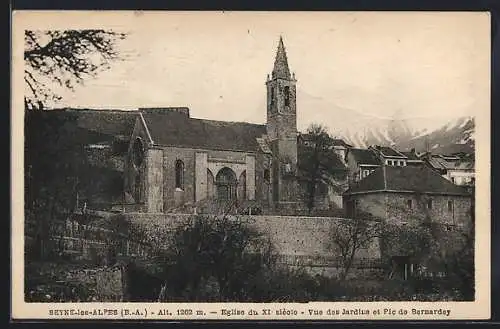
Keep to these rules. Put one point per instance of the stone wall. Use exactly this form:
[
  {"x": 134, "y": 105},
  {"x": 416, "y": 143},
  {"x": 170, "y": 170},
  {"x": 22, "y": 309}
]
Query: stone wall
[
  {"x": 196, "y": 184},
  {"x": 457, "y": 214},
  {"x": 299, "y": 241},
  {"x": 89, "y": 283},
  {"x": 396, "y": 209},
  {"x": 263, "y": 191},
  {"x": 154, "y": 180}
]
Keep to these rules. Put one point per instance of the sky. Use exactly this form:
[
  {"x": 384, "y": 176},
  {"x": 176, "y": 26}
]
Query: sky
[{"x": 353, "y": 68}]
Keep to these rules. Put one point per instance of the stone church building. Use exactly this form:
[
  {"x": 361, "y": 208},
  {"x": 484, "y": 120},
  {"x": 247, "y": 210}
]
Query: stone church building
[{"x": 175, "y": 160}]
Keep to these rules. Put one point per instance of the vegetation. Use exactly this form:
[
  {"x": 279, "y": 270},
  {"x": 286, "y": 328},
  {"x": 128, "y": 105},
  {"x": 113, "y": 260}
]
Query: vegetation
[
  {"x": 349, "y": 237},
  {"x": 222, "y": 252},
  {"x": 318, "y": 165},
  {"x": 64, "y": 58},
  {"x": 54, "y": 153}
]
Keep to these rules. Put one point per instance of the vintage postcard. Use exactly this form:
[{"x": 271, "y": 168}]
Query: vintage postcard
[{"x": 251, "y": 165}]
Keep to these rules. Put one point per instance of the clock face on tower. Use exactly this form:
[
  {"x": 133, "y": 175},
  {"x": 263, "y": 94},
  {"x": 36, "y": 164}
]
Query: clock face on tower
[{"x": 138, "y": 153}]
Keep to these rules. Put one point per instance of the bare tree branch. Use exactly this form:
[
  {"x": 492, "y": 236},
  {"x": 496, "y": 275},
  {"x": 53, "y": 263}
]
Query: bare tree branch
[{"x": 66, "y": 58}]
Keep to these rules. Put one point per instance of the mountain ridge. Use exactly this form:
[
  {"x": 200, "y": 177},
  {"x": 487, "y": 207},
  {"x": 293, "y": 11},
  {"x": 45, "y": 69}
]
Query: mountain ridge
[{"x": 398, "y": 133}]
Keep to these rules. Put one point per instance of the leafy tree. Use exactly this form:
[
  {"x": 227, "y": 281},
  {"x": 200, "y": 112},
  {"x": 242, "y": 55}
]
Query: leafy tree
[
  {"x": 318, "y": 164},
  {"x": 221, "y": 252},
  {"x": 348, "y": 237},
  {"x": 65, "y": 58}
]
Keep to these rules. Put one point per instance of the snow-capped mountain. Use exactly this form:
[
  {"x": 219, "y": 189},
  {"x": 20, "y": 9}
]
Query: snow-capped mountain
[
  {"x": 455, "y": 134},
  {"x": 403, "y": 130}
]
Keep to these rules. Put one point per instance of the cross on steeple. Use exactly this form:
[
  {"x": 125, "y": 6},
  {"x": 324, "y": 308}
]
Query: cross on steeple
[{"x": 281, "y": 69}]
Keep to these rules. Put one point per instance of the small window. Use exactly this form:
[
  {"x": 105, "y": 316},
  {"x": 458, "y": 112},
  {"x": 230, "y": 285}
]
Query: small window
[
  {"x": 429, "y": 204},
  {"x": 409, "y": 204},
  {"x": 354, "y": 205},
  {"x": 267, "y": 175},
  {"x": 287, "y": 96},
  {"x": 288, "y": 168},
  {"x": 453, "y": 180},
  {"x": 450, "y": 206},
  {"x": 179, "y": 174},
  {"x": 272, "y": 96},
  {"x": 473, "y": 180},
  {"x": 137, "y": 187}
]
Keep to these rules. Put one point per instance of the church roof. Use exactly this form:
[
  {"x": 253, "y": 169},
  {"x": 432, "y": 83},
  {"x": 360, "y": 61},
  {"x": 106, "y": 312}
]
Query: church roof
[
  {"x": 406, "y": 179},
  {"x": 174, "y": 128},
  {"x": 281, "y": 69}
]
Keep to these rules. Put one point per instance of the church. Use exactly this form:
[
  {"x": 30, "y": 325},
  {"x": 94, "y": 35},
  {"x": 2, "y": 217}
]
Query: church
[{"x": 175, "y": 160}]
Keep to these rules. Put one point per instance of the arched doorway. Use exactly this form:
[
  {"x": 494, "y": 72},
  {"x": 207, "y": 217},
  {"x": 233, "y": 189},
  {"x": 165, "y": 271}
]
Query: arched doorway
[{"x": 226, "y": 184}]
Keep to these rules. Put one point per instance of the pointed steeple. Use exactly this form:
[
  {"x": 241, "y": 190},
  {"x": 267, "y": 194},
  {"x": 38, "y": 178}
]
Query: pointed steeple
[{"x": 281, "y": 69}]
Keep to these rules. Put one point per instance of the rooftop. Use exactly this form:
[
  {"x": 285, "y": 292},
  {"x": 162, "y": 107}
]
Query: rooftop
[
  {"x": 439, "y": 161},
  {"x": 406, "y": 179},
  {"x": 364, "y": 156},
  {"x": 388, "y": 151},
  {"x": 175, "y": 128},
  {"x": 411, "y": 156},
  {"x": 280, "y": 69}
]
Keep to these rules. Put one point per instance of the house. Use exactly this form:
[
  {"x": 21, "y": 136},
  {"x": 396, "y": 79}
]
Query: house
[
  {"x": 457, "y": 168},
  {"x": 340, "y": 147},
  {"x": 413, "y": 158},
  {"x": 389, "y": 156},
  {"x": 360, "y": 163},
  {"x": 409, "y": 195}
]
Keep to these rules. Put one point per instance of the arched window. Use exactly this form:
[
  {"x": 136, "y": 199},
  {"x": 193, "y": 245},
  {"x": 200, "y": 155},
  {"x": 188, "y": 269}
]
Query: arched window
[
  {"x": 267, "y": 175},
  {"x": 287, "y": 96},
  {"x": 138, "y": 152},
  {"x": 179, "y": 174}
]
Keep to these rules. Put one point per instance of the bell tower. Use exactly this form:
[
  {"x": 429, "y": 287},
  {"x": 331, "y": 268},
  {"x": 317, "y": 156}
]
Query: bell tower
[{"x": 282, "y": 127}]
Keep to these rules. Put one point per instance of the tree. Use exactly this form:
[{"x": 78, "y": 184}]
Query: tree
[
  {"x": 54, "y": 151},
  {"x": 53, "y": 157},
  {"x": 318, "y": 164},
  {"x": 349, "y": 236},
  {"x": 65, "y": 58},
  {"x": 221, "y": 252}
]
